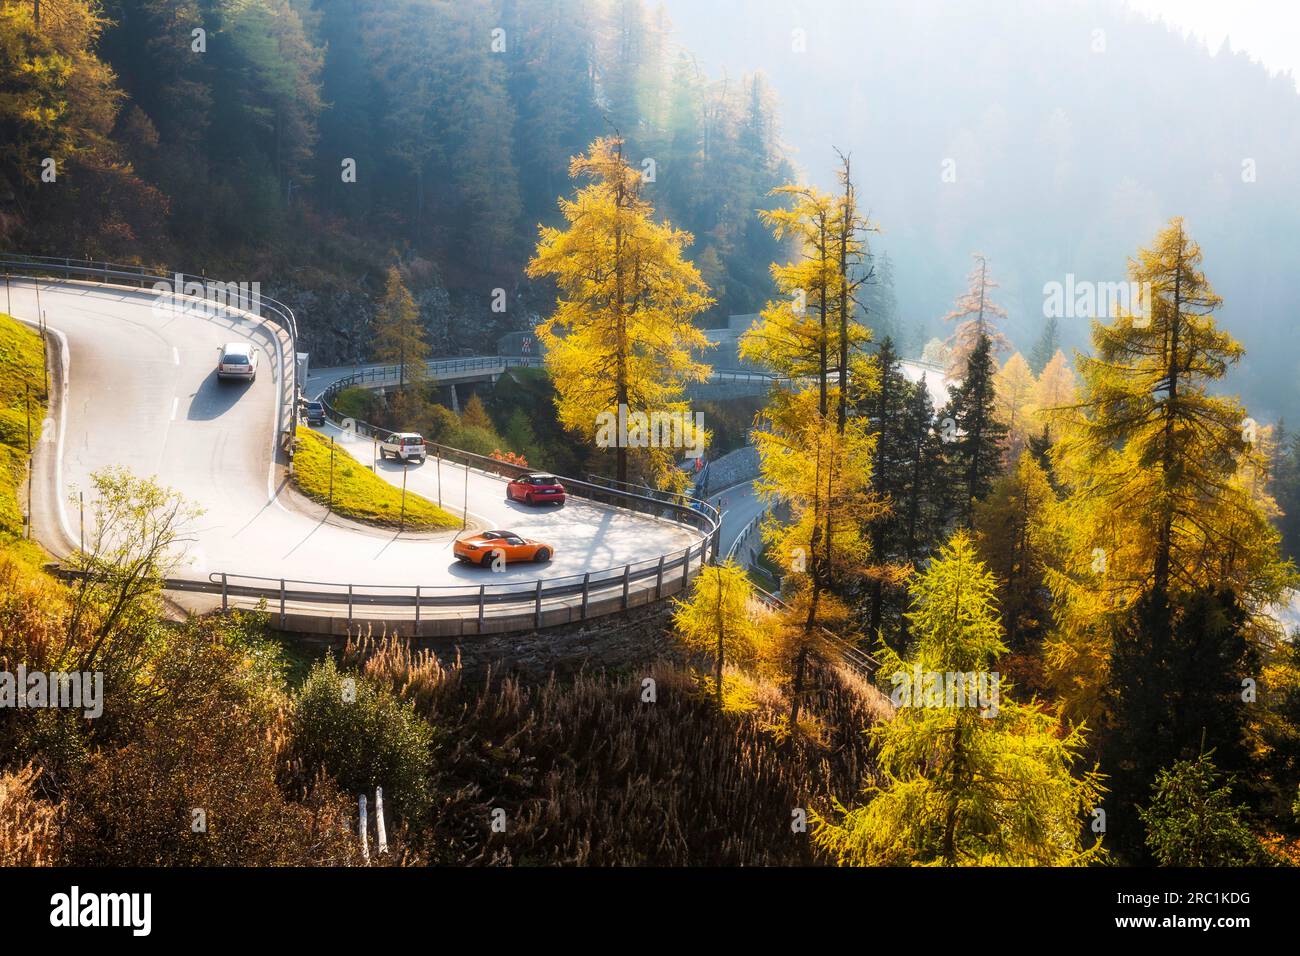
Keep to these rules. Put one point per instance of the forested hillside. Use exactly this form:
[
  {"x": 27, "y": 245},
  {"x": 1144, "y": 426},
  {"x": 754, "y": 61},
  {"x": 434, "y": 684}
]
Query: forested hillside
[
  {"x": 1053, "y": 137},
  {"x": 309, "y": 145}
]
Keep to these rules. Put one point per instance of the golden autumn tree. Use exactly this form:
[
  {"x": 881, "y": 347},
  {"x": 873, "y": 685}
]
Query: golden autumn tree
[
  {"x": 814, "y": 456},
  {"x": 969, "y": 777},
  {"x": 1009, "y": 526},
  {"x": 719, "y": 618},
  {"x": 1054, "y": 393},
  {"x": 58, "y": 99},
  {"x": 398, "y": 333},
  {"x": 1013, "y": 403},
  {"x": 974, "y": 313},
  {"x": 1157, "y": 463},
  {"x": 823, "y": 476},
  {"x": 621, "y": 342},
  {"x": 811, "y": 331}
]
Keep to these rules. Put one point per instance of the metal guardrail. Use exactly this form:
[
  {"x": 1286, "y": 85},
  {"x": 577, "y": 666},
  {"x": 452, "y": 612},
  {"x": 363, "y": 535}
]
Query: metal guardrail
[
  {"x": 479, "y": 599},
  {"x": 435, "y": 368},
  {"x": 666, "y": 571},
  {"x": 746, "y": 533},
  {"x": 679, "y": 507},
  {"x": 852, "y": 655},
  {"x": 273, "y": 311}
]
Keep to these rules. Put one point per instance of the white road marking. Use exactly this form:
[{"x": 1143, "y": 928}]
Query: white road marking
[
  {"x": 250, "y": 539},
  {"x": 176, "y": 403},
  {"x": 176, "y": 355}
]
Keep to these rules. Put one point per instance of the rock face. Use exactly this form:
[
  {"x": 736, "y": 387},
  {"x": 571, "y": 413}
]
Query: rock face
[
  {"x": 607, "y": 643},
  {"x": 334, "y": 320}
]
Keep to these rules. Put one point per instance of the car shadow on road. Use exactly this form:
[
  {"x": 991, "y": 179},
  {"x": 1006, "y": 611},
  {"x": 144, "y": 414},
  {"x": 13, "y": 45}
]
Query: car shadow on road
[
  {"x": 522, "y": 575},
  {"x": 215, "y": 397},
  {"x": 528, "y": 509}
]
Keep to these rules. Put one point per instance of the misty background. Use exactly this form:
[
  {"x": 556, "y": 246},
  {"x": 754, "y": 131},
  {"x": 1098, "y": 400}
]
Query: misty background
[{"x": 1076, "y": 129}]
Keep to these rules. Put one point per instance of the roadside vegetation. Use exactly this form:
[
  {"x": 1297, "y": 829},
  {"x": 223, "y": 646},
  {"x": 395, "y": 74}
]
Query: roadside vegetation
[
  {"x": 22, "y": 380},
  {"x": 358, "y": 493}
]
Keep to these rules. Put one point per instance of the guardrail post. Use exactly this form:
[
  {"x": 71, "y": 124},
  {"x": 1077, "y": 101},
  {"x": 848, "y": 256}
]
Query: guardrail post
[
  {"x": 627, "y": 577},
  {"x": 537, "y": 612},
  {"x": 686, "y": 569},
  {"x": 282, "y": 604},
  {"x": 586, "y": 591},
  {"x": 349, "y": 607},
  {"x": 482, "y": 593},
  {"x": 659, "y": 579},
  {"x": 417, "y": 610},
  {"x": 225, "y": 605}
]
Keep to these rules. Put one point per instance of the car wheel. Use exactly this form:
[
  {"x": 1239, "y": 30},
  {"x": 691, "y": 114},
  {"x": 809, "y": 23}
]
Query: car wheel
[
  {"x": 530, "y": 499},
  {"x": 488, "y": 558},
  {"x": 543, "y": 554}
]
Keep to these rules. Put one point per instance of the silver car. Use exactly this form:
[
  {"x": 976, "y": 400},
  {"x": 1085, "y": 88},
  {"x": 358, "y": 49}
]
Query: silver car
[
  {"x": 404, "y": 446},
  {"x": 238, "y": 360}
]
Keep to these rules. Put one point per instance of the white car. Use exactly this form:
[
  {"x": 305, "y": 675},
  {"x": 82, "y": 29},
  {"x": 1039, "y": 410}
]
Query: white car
[
  {"x": 238, "y": 360},
  {"x": 404, "y": 446}
]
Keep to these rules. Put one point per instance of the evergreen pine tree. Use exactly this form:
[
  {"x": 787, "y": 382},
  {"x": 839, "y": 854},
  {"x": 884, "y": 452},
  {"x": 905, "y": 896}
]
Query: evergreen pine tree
[
  {"x": 1046, "y": 346},
  {"x": 972, "y": 434}
]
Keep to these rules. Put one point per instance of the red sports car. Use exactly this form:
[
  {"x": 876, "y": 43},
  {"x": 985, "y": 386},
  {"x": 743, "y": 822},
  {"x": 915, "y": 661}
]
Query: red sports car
[{"x": 536, "y": 490}]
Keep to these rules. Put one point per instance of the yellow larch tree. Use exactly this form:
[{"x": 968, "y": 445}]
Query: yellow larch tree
[
  {"x": 814, "y": 456},
  {"x": 622, "y": 341},
  {"x": 1157, "y": 463},
  {"x": 721, "y": 617},
  {"x": 1054, "y": 394},
  {"x": 1013, "y": 388}
]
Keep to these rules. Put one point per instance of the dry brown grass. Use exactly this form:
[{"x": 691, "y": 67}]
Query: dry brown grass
[
  {"x": 589, "y": 774},
  {"x": 28, "y": 825}
]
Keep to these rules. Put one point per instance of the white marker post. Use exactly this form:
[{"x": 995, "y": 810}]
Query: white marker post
[
  {"x": 365, "y": 837},
  {"x": 379, "y": 820}
]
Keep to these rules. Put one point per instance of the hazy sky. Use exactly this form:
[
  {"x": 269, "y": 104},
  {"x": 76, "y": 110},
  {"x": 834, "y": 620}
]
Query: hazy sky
[{"x": 1267, "y": 30}]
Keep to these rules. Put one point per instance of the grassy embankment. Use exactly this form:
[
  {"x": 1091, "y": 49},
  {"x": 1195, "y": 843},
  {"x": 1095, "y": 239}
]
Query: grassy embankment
[
  {"x": 359, "y": 493},
  {"x": 22, "y": 374}
]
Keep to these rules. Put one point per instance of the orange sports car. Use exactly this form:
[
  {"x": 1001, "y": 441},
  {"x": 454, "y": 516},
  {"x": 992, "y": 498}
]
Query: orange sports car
[{"x": 482, "y": 547}]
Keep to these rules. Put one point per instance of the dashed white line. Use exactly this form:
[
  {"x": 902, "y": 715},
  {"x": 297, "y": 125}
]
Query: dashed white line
[
  {"x": 176, "y": 355},
  {"x": 176, "y": 404}
]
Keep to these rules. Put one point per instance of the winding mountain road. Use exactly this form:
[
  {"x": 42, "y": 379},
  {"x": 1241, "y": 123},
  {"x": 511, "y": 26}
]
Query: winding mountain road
[{"x": 141, "y": 392}]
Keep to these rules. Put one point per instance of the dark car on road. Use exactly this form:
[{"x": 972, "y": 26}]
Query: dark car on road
[{"x": 314, "y": 412}]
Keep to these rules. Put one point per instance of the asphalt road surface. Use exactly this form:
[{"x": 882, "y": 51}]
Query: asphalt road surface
[{"x": 142, "y": 393}]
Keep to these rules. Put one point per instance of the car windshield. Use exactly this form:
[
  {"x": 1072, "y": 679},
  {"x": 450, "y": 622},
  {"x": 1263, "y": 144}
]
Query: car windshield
[
  {"x": 315, "y": 407},
  {"x": 235, "y": 359},
  {"x": 412, "y": 441},
  {"x": 544, "y": 480}
]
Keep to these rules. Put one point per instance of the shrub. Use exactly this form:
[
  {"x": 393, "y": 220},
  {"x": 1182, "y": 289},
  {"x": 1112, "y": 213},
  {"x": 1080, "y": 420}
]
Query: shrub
[{"x": 363, "y": 736}]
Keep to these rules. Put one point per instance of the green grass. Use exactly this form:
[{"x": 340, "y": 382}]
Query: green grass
[
  {"x": 22, "y": 371},
  {"x": 359, "y": 493}
]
